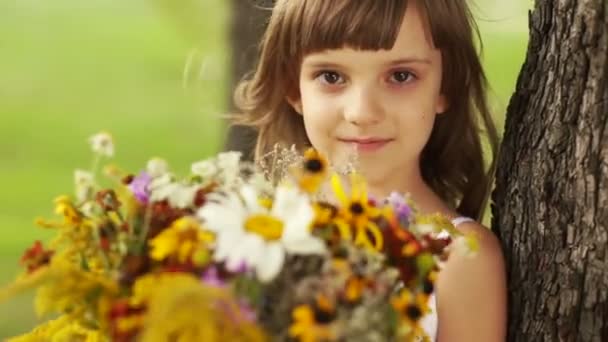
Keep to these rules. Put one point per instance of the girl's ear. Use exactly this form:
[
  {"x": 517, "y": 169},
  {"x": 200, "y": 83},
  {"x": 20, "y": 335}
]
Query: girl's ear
[
  {"x": 442, "y": 104},
  {"x": 296, "y": 104}
]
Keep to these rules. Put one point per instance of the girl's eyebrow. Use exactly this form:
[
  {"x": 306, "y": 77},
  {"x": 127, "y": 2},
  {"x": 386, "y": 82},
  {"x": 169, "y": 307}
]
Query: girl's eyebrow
[
  {"x": 410, "y": 60},
  {"x": 322, "y": 65}
]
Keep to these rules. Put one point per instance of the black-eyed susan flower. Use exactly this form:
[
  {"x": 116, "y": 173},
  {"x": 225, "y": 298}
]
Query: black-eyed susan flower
[
  {"x": 410, "y": 308},
  {"x": 356, "y": 212},
  {"x": 307, "y": 327},
  {"x": 325, "y": 308},
  {"x": 428, "y": 284},
  {"x": 328, "y": 225},
  {"x": 312, "y": 172},
  {"x": 325, "y": 214}
]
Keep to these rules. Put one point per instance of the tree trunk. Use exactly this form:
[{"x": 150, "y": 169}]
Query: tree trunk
[
  {"x": 551, "y": 199},
  {"x": 247, "y": 26}
]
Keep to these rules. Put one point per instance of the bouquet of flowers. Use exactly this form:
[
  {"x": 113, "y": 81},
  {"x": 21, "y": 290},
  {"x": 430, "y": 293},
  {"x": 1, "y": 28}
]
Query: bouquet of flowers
[{"x": 233, "y": 253}]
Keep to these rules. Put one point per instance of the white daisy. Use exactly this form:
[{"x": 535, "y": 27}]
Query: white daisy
[
  {"x": 179, "y": 195},
  {"x": 157, "y": 167},
  {"x": 259, "y": 237},
  {"x": 229, "y": 163},
  {"x": 88, "y": 208},
  {"x": 102, "y": 143},
  {"x": 225, "y": 169},
  {"x": 205, "y": 168}
]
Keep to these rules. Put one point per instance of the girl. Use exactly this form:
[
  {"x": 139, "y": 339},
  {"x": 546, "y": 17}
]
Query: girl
[{"x": 401, "y": 83}]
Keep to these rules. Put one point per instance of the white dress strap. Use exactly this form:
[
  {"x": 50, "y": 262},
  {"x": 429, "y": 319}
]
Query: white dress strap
[
  {"x": 429, "y": 322},
  {"x": 460, "y": 220}
]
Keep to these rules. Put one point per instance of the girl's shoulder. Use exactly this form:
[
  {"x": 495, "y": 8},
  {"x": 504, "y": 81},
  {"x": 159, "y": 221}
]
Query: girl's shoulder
[{"x": 481, "y": 280}]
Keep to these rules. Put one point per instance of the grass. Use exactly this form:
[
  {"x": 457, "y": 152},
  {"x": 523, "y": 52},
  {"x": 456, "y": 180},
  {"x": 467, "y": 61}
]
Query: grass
[{"x": 70, "y": 68}]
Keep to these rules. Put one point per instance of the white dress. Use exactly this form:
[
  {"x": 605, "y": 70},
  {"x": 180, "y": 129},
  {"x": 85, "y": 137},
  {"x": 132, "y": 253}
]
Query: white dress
[{"x": 429, "y": 322}]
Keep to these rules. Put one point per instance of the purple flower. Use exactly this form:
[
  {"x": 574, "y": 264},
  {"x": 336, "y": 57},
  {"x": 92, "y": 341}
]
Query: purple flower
[
  {"x": 241, "y": 268},
  {"x": 244, "y": 314},
  {"x": 247, "y": 312},
  {"x": 139, "y": 187},
  {"x": 400, "y": 205},
  {"x": 211, "y": 278}
]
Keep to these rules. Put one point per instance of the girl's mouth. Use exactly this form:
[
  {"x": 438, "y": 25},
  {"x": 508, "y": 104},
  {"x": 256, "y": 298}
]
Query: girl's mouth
[{"x": 367, "y": 144}]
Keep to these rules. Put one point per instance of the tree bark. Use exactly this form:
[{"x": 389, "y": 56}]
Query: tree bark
[
  {"x": 249, "y": 19},
  {"x": 551, "y": 198}
]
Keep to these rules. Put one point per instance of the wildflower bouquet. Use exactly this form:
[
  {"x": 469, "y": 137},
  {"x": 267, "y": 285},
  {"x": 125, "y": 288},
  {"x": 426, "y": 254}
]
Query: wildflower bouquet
[{"x": 226, "y": 254}]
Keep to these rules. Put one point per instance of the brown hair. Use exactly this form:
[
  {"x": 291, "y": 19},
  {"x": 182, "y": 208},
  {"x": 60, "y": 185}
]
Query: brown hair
[{"x": 452, "y": 162}]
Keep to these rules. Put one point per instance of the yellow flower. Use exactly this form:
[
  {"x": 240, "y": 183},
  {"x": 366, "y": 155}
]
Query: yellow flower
[
  {"x": 325, "y": 214},
  {"x": 312, "y": 172},
  {"x": 143, "y": 289},
  {"x": 65, "y": 208},
  {"x": 43, "y": 332},
  {"x": 181, "y": 308},
  {"x": 184, "y": 241},
  {"x": 305, "y": 327},
  {"x": 354, "y": 288},
  {"x": 129, "y": 323},
  {"x": 77, "y": 237},
  {"x": 77, "y": 332},
  {"x": 411, "y": 308},
  {"x": 66, "y": 287},
  {"x": 329, "y": 225},
  {"x": 62, "y": 329},
  {"x": 355, "y": 211},
  {"x": 26, "y": 282}
]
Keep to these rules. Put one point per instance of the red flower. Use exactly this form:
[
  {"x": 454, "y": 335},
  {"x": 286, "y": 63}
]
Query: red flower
[
  {"x": 107, "y": 200},
  {"x": 36, "y": 257},
  {"x": 121, "y": 310}
]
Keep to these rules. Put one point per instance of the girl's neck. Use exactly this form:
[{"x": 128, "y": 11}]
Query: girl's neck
[{"x": 409, "y": 181}]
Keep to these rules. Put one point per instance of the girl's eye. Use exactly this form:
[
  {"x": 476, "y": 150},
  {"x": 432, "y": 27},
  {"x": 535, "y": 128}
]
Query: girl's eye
[
  {"x": 330, "y": 77},
  {"x": 402, "y": 77}
]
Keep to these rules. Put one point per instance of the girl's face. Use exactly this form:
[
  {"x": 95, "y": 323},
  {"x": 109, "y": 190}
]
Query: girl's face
[{"x": 381, "y": 104}]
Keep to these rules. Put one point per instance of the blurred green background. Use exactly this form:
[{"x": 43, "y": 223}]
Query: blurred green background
[{"x": 70, "y": 68}]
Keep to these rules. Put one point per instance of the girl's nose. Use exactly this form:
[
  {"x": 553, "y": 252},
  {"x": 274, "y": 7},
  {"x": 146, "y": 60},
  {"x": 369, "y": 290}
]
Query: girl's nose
[{"x": 362, "y": 107}]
